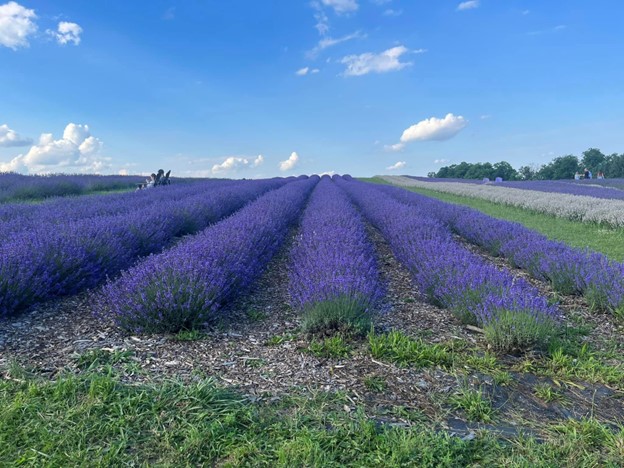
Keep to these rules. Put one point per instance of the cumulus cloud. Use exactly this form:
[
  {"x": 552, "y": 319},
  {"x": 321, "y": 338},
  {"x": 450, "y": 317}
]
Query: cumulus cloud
[
  {"x": 290, "y": 163},
  {"x": 66, "y": 32},
  {"x": 341, "y": 6},
  {"x": 397, "y": 165},
  {"x": 9, "y": 138},
  {"x": 16, "y": 25},
  {"x": 386, "y": 61},
  {"x": 441, "y": 161},
  {"x": 236, "y": 163},
  {"x": 77, "y": 151},
  {"x": 468, "y": 5},
  {"x": 432, "y": 129}
]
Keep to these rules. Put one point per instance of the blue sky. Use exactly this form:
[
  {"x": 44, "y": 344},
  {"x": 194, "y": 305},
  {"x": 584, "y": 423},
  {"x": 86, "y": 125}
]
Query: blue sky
[{"x": 265, "y": 88}]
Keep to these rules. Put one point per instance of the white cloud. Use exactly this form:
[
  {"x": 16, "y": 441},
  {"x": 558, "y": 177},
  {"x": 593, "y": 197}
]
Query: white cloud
[
  {"x": 441, "y": 161},
  {"x": 397, "y": 165},
  {"x": 468, "y": 5},
  {"x": 9, "y": 138},
  {"x": 306, "y": 70},
  {"x": 432, "y": 129},
  {"x": 391, "y": 12},
  {"x": 66, "y": 33},
  {"x": 77, "y": 151},
  {"x": 341, "y": 6},
  {"x": 327, "y": 173},
  {"x": 386, "y": 61},
  {"x": 485, "y": 117},
  {"x": 555, "y": 29},
  {"x": 327, "y": 42},
  {"x": 236, "y": 163},
  {"x": 290, "y": 163},
  {"x": 16, "y": 25},
  {"x": 123, "y": 172}
]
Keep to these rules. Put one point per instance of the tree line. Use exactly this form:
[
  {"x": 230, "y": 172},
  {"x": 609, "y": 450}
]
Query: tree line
[{"x": 562, "y": 167}]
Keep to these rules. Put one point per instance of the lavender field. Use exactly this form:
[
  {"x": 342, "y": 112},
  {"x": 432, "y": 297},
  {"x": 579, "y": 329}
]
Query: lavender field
[{"x": 318, "y": 282}]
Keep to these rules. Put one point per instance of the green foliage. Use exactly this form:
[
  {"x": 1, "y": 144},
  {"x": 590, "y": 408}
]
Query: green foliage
[
  {"x": 547, "y": 393},
  {"x": 466, "y": 170},
  {"x": 188, "y": 335},
  {"x": 347, "y": 315},
  {"x": 277, "y": 340},
  {"x": 563, "y": 167},
  {"x": 101, "y": 357},
  {"x": 476, "y": 406},
  {"x": 518, "y": 331},
  {"x": 332, "y": 347},
  {"x": 404, "y": 351},
  {"x": 375, "y": 383}
]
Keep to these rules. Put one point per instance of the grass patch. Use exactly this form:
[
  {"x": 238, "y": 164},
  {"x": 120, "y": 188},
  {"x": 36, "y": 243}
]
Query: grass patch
[
  {"x": 476, "y": 406},
  {"x": 519, "y": 331},
  {"x": 102, "y": 357},
  {"x": 346, "y": 315},
  {"x": 93, "y": 419},
  {"x": 332, "y": 347},
  {"x": 609, "y": 241},
  {"x": 404, "y": 351},
  {"x": 277, "y": 340},
  {"x": 188, "y": 335},
  {"x": 255, "y": 315},
  {"x": 547, "y": 393},
  {"x": 375, "y": 383}
]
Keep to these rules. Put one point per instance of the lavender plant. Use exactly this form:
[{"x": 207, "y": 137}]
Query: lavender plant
[
  {"x": 451, "y": 276},
  {"x": 184, "y": 287},
  {"x": 333, "y": 272},
  {"x": 569, "y": 270},
  {"x": 563, "y": 205},
  {"x": 47, "y": 261}
]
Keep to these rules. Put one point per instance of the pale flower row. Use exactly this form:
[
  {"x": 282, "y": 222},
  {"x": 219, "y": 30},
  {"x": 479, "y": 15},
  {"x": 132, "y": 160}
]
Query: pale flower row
[{"x": 574, "y": 207}]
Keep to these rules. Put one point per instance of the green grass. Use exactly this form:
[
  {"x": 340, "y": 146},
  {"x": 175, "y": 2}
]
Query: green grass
[
  {"x": 332, "y": 347},
  {"x": 94, "y": 419},
  {"x": 405, "y": 351},
  {"x": 582, "y": 235},
  {"x": 476, "y": 406}
]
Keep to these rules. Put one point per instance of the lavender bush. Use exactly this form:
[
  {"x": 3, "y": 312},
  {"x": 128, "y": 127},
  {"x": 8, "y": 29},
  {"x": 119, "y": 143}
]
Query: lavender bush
[
  {"x": 451, "y": 276},
  {"x": 575, "y": 207},
  {"x": 569, "y": 270},
  {"x": 22, "y": 187},
  {"x": 185, "y": 286},
  {"x": 45, "y": 261},
  {"x": 333, "y": 271}
]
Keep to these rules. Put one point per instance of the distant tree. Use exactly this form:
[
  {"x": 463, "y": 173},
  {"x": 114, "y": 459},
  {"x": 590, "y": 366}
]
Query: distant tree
[
  {"x": 614, "y": 166},
  {"x": 504, "y": 170},
  {"x": 528, "y": 172},
  {"x": 562, "y": 167},
  {"x": 431, "y": 174},
  {"x": 593, "y": 159}
]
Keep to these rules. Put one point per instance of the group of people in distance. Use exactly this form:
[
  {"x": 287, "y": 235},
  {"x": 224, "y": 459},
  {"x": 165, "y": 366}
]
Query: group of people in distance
[
  {"x": 587, "y": 174},
  {"x": 160, "y": 178}
]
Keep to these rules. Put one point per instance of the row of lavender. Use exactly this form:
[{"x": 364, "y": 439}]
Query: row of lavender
[
  {"x": 597, "y": 188},
  {"x": 569, "y": 270},
  {"x": 187, "y": 285},
  {"x": 42, "y": 262},
  {"x": 21, "y": 187},
  {"x": 609, "y": 212},
  {"x": 334, "y": 278},
  {"x": 16, "y": 217},
  {"x": 512, "y": 312}
]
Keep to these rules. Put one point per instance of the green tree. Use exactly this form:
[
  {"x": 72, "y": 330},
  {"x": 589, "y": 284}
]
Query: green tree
[
  {"x": 593, "y": 159},
  {"x": 562, "y": 167},
  {"x": 504, "y": 170}
]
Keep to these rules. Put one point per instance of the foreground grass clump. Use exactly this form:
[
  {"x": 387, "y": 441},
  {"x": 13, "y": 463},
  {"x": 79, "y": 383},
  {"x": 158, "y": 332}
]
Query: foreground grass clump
[
  {"x": 347, "y": 315},
  {"x": 404, "y": 351},
  {"x": 93, "y": 419},
  {"x": 511, "y": 331}
]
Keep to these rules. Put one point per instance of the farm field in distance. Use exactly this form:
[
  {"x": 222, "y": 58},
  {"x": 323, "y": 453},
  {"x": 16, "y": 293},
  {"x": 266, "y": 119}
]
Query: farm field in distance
[{"x": 308, "y": 321}]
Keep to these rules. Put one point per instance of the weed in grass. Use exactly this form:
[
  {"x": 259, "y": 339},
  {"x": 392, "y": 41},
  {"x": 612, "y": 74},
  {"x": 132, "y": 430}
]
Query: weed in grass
[
  {"x": 402, "y": 350},
  {"x": 585, "y": 365},
  {"x": 346, "y": 315},
  {"x": 547, "y": 393},
  {"x": 102, "y": 357},
  {"x": 476, "y": 406},
  {"x": 375, "y": 383},
  {"x": 485, "y": 362},
  {"x": 254, "y": 363},
  {"x": 332, "y": 347},
  {"x": 188, "y": 335},
  {"x": 409, "y": 414},
  {"x": 502, "y": 378}
]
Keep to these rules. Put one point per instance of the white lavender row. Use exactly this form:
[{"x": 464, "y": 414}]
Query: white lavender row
[
  {"x": 44, "y": 262},
  {"x": 333, "y": 271},
  {"x": 568, "y": 270},
  {"x": 574, "y": 207},
  {"x": 184, "y": 287},
  {"x": 512, "y": 312}
]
